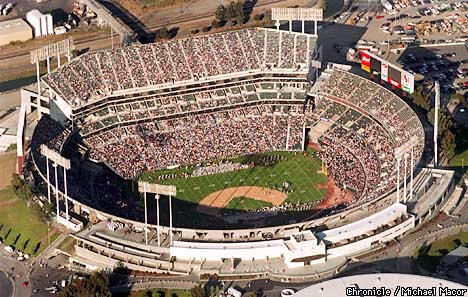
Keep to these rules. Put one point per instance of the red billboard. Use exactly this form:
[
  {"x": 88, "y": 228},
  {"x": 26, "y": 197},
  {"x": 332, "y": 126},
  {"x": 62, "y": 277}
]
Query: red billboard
[
  {"x": 396, "y": 76},
  {"x": 365, "y": 61}
]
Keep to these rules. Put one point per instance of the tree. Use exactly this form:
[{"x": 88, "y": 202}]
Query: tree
[
  {"x": 258, "y": 17},
  {"x": 239, "y": 9},
  {"x": 448, "y": 144},
  {"x": 163, "y": 33},
  {"x": 421, "y": 98},
  {"x": 197, "y": 291},
  {"x": 95, "y": 285},
  {"x": 16, "y": 181},
  {"x": 220, "y": 13},
  {"x": 215, "y": 24},
  {"x": 230, "y": 11},
  {"x": 44, "y": 213},
  {"x": 445, "y": 122},
  {"x": 457, "y": 99},
  {"x": 323, "y": 5},
  {"x": 21, "y": 188}
]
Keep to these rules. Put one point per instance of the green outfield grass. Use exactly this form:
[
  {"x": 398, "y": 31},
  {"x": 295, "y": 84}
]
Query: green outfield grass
[
  {"x": 301, "y": 172},
  {"x": 245, "y": 203}
]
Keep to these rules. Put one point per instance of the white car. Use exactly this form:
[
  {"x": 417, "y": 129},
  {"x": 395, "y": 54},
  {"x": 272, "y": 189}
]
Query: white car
[{"x": 9, "y": 249}]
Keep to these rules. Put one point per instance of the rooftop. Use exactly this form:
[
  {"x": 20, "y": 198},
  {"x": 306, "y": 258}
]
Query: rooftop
[
  {"x": 13, "y": 26},
  {"x": 338, "y": 287},
  {"x": 365, "y": 225}
]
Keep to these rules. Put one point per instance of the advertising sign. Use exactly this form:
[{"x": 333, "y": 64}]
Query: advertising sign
[
  {"x": 407, "y": 83},
  {"x": 389, "y": 72},
  {"x": 365, "y": 61},
  {"x": 384, "y": 71}
]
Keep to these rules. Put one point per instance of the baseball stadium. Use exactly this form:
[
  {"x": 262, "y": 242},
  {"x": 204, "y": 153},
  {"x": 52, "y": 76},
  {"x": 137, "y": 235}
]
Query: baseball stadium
[{"x": 266, "y": 157}]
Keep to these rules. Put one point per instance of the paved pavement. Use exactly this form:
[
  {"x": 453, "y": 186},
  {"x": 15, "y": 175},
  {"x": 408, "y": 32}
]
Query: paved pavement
[
  {"x": 17, "y": 272},
  {"x": 6, "y": 285}
]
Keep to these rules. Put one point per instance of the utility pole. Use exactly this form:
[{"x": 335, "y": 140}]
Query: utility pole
[{"x": 436, "y": 121}]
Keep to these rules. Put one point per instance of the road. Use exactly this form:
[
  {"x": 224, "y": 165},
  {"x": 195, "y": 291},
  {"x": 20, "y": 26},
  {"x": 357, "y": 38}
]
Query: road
[
  {"x": 17, "y": 275},
  {"x": 6, "y": 285}
]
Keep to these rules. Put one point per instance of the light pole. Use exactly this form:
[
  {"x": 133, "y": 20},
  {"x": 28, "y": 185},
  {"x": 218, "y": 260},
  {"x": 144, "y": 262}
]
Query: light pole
[
  {"x": 56, "y": 192},
  {"x": 436, "y": 120},
  {"x": 157, "y": 189},
  {"x": 48, "y": 179},
  {"x": 146, "y": 216},
  {"x": 57, "y": 160},
  {"x": 170, "y": 219},
  {"x": 398, "y": 180},
  {"x": 66, "y": 196},
  {"x": 157, "y": 218}
]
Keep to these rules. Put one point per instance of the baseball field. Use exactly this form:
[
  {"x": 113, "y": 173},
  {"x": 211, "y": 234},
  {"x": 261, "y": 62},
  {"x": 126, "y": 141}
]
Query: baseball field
[{"x": 271, "y": 179}]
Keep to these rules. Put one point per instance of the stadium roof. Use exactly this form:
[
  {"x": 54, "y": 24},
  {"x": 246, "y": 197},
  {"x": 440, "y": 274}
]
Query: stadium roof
[
  {"x": 365, "y": 225},
  {"x": 337, "y": 287}
]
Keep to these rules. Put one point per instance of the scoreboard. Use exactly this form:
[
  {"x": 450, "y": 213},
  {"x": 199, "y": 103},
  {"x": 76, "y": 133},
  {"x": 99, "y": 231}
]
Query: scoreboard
[{"x": 390, "y": 73}]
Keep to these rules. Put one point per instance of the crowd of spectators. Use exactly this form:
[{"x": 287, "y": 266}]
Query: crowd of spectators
[
  {"x": 188, "y": 140},
  {"x": 385, "y": 125},
  {"x": 50, "y": 133},
  {"x": 369, "y": 123},
  {"x": 95, "y": 74}
]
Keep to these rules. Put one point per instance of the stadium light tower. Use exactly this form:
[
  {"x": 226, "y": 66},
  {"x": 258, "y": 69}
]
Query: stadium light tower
[
  {"x": 57, "y": 160},
  {"x": 412, "y": 173},
  {"x": 436, "y": 120},
  {"x": 157, "y": 189},
  {"x": 297, "y": 14},
  {"x": 405, "y": 177},
  {"x": 46, "y": 53}
]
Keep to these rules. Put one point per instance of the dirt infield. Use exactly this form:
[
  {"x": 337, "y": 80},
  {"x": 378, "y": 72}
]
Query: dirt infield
[
  {"x": 334, "y": 195},
  {"x": 214, "y": 203}
]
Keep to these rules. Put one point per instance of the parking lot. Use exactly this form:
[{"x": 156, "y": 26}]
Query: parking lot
[
  {"x": 427, "y": 22},
  {"x": 446, "y": 64}
]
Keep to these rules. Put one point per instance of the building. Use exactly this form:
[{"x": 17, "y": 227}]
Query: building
[
  {"x": 385, "y": 284},
  {"x": 42, "y": 24},
  {"x": 14, "y": 30}
]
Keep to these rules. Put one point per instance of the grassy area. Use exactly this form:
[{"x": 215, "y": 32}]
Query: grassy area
[
  {"x": 300, "y": 171},
  {"x": 245, "y": 203},
  {"x": 8, "y": 167},
  {"x": 461, "y": 152},
  {"x": 460, "y": 160},
  {"x": 428, "y": 257},
  {"x": 20, "y": 227},
  {"x": 68, "y": 245}
]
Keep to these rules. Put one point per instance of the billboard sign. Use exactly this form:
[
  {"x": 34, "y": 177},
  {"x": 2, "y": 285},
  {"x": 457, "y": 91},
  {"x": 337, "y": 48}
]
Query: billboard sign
[
  {"x": 407, "y": 82},
  {"x": 384, "y": 71},
  {"x": 389, "y": 72},
  {"x": 365, "y": 62}
]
